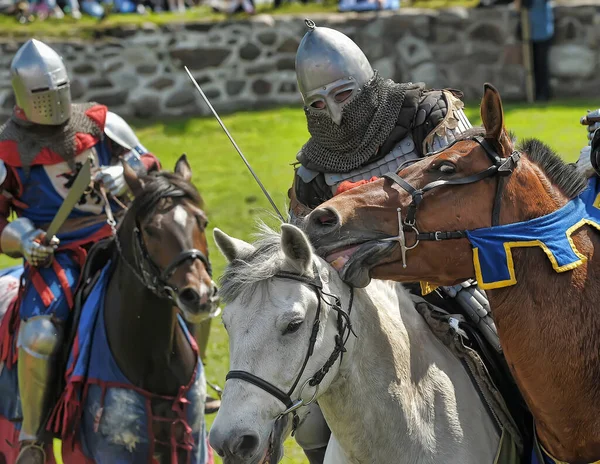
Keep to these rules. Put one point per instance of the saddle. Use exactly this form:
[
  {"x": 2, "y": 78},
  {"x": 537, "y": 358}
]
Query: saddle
[
  {"x": 494, "y": 362},
  {"x": 98, "y": 256}
]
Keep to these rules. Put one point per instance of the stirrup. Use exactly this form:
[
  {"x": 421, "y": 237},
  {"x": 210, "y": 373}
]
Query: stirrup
[{"x": 28, "y": 446}]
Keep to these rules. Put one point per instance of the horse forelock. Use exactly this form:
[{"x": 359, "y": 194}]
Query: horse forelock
[
  {"x": 243, "y": 276},
  {"x": 160, "y": 186}
]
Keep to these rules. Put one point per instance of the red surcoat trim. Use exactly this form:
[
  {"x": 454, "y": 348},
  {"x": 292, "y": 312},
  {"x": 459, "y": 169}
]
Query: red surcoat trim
[{"x": 10, "y": 155}]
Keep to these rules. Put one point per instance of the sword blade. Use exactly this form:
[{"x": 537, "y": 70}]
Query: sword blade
[
  {"x": 234, "y": 144},
  {"x": 82, "y": 182}
]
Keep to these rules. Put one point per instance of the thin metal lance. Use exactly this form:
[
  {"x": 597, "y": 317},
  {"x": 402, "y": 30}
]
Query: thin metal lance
[{"x": 234, "y": 144}]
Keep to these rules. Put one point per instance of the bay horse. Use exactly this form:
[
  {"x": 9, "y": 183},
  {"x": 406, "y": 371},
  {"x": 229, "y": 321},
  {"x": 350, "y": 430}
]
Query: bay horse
[
  {"x": 523, "y": 223},
  {"x": 389, "y": 389},
  {"x": 135, "y": 388}
]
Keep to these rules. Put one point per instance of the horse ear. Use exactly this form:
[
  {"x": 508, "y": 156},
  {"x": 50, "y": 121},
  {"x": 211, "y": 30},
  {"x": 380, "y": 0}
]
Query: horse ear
[
  {"x": 296, "y": 247},
  {"x": 232, "y": 248},
  {"x": 183, "y": 168},
  {"x": 492, "y": 114},
  {"x": 135, "y": 184}
]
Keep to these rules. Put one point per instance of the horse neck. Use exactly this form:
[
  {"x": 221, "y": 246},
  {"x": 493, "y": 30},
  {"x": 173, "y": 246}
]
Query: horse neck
[
  {"x": 548, "y": 329},
  {"x": 144, "y": 333},
  {"x": 394, "y": 372}
]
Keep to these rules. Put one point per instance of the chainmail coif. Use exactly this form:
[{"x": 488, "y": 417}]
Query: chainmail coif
[
  {"x": 32, "y": 138},
  {"x": 367, "y": 121}
]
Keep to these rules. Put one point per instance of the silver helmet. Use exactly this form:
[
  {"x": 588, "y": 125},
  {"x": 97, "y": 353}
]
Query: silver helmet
[
  {"x": 41, "y": 84},
  {"x": 330, "y": 69}
]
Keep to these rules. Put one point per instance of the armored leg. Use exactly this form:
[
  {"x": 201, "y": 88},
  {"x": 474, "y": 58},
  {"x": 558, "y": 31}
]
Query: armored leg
[
  {"x": 39, "y": 339},
  {"x": 313, "y": 435}
]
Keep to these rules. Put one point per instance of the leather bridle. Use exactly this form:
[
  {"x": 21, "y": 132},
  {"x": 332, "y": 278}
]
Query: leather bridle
[
  {"x": 147, "y": 271},
  {"x": 344, "y": 327},
  {"x": 501, "y": 167}
]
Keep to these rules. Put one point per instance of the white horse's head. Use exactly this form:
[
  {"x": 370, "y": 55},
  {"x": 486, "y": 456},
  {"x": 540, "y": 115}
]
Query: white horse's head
[{"x": 270, "y": 320}]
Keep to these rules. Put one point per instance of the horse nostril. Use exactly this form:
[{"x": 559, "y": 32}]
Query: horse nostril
[
  {"x": 189, "y": 297},
  {"x": 245, "y": 445},
  {"x": 325, "y": 218}
]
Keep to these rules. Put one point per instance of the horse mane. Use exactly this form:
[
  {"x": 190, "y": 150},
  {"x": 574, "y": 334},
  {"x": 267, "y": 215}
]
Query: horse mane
[
  {"x": 161, "y": 185},
  {"x": 241, "y": 275},
  {"x": 565, "y": 176}
]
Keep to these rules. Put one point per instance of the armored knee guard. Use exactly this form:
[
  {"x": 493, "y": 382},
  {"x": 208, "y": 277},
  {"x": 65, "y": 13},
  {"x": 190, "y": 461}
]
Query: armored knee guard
[{"x": 39, "y": 340}]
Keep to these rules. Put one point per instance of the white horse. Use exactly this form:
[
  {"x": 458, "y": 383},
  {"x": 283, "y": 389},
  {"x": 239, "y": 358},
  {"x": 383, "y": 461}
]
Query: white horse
[{"x": 398, "y": 395}]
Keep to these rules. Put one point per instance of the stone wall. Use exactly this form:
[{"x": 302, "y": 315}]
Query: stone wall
[{"x": 138, "y": 71}]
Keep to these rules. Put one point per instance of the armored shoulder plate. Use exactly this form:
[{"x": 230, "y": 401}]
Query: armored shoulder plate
[
  {"x": 307, "y": 175},
  {"x": 121, "y": 133}
]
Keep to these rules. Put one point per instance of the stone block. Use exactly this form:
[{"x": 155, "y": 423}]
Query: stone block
[
  {"x": 572, "y": 61},
  {"x": 289, "y": 45},
  {"x": 249, "y": 52},
  {"x": 147, "y": 106},
  {"x": 84, "y": 68},
  {"x": 110, "y": 98},
  {"x": 268, "y": 37},
  {"x": 147, "y": 69},
  {"x": 77, "y": 89},
  {"x": 486, "y": 32},
  {"x": 180, "y": 98},
  {"x": 286, "y": 63},
  {"x": 234, "y": 87},
  {"x": 161, "y": 83},
  {"x": 9, "y": 101},
  {"x": 200, "y": 58},
  {"x": 100, "y": 83},
  {"x": 413, "y": 51},
  {"x": 261, "y": 87},
  {"x": 288, "y": 87}
]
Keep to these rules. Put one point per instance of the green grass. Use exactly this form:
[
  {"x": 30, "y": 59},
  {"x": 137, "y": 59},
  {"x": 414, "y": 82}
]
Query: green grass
[
  {"x": 270, "y": 140},
  {"x": 87, "y": 26}
]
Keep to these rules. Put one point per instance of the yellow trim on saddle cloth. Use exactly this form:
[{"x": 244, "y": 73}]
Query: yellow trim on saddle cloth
[
  {"x": 427, "y": 288},
  {"x": 508, "y": 246},
  {"x": 546, "y": 454},
  {"x": 596, "y": 204},
  {"x": 57, "y": 450}
]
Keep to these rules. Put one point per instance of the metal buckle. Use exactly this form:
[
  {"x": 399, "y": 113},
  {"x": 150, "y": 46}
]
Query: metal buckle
[
  {"x": 436, "y": 235},
  {"x": 300, "y": 402}
]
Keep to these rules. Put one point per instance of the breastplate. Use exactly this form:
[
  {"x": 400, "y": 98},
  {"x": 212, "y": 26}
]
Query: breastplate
[{"x": 403, "y": 151}]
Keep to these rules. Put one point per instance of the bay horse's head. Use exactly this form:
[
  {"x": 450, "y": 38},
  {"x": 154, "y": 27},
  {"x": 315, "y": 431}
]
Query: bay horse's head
[
  {"x": 163, "y": 240},
  {"x": 476, "y": 182}
]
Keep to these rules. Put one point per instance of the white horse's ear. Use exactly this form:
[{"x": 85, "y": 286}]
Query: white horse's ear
[
  {"x": 232, "y": 248},
  {"x": 296, "y": 248}
]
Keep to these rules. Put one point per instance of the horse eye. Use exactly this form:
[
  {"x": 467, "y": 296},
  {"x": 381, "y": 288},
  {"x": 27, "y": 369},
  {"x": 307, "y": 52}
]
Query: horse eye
[
  {"x": 447, "y": 167},
  {"x": 292, "y": 327}
]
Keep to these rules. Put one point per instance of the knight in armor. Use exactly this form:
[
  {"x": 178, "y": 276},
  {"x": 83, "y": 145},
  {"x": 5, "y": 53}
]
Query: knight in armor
[
  {"x": 589, "y": 157},
  {"x": 42, "y": 146},
  {"x": 363, "y": 126}
]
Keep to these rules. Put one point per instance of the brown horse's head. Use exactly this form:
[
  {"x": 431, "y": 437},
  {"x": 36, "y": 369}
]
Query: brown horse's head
[
  {"x": 351, "y": 228},
  {"x": 164, "y": 234}
]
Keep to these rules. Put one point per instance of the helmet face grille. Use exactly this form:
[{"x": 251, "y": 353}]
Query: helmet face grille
[{"x": 50, "y": 107}]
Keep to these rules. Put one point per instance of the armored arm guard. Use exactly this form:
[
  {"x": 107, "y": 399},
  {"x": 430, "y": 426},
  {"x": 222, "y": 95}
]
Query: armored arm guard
[
  {"x": 439, "y": 120},
  {"x": 310, "y": 189},
  {"x": 126, "y": 144}
]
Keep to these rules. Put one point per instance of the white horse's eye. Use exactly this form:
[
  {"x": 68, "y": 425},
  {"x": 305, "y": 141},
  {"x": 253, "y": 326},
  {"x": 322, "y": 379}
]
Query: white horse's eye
[{"x": 292, "y": 327}]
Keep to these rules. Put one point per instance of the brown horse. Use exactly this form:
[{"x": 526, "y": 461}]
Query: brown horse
[{"x": 546, "y": 320}]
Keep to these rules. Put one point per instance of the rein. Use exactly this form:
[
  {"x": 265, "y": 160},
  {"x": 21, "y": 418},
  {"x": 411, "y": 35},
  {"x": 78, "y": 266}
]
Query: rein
[
  {"x": 501, "y": 167},
  {"x": 151, "y": 276},
  {"x": 344, "y": 327}
]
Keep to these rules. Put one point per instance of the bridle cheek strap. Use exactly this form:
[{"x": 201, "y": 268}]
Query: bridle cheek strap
[{"x": 501, "y": 167}]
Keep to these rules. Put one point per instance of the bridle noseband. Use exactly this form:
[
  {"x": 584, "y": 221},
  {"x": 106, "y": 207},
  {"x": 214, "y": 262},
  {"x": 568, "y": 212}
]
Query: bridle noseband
[
  {"x": 344, "y": 327},
  {"x": 501, "y": 167}
]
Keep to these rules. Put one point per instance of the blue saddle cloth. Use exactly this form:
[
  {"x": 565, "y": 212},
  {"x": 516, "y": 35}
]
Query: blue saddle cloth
[
  {"x": 113, "y": 417},
  {"x": 492, "y": 246}
]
